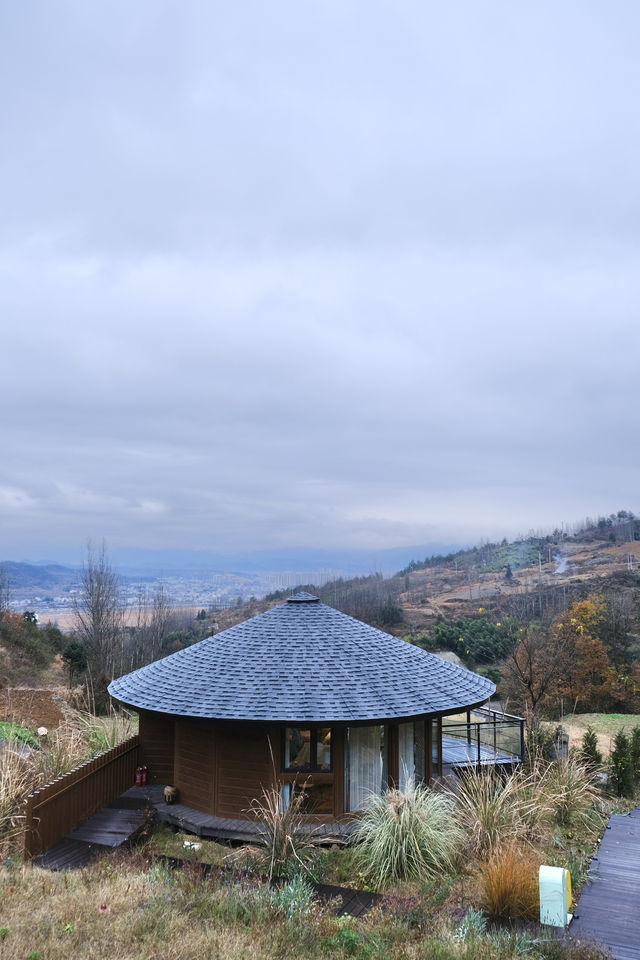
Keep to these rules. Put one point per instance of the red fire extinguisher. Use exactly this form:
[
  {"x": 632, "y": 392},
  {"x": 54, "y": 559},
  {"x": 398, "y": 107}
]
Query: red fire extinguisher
[
  {"x": 138, "y": 776},
  {"x": 144, "y": 775}
]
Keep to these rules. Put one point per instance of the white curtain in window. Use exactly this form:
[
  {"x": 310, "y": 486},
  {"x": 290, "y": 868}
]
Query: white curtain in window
[
  {"x": 406, "y": 760},
  {"x": 364, "y": 757}
]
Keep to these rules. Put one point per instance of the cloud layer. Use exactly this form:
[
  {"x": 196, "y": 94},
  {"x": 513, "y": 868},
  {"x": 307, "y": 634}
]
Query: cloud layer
[{"x": 335, "y": 273}]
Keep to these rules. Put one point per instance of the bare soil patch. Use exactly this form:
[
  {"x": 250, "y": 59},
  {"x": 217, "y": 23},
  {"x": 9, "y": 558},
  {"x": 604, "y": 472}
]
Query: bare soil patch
[{"x": 32, "y": 707}]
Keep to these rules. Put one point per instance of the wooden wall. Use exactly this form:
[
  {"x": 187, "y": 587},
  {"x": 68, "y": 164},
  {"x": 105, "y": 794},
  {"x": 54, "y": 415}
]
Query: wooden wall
[
  {"x": 243, "y": 766},
  {"x": 156, "y": 746},
  {"x": 195, "y": 763},
  {"x": 220, "y": 768}
]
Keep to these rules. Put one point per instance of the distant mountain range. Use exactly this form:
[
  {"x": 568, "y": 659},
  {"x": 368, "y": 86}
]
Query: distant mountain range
[
  {"x": 134, "y": 563},
  {"x": 48, "y": 576}
]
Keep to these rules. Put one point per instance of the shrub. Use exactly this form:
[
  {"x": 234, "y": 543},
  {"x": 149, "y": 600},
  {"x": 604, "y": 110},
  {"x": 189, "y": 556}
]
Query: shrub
[
  {"x": 493, "y": 809},
  {"x": 635, "y": 754},
  {"x": 568, "y": 790},
  {"x": 474, "y": 924},
  {"x": 589, "y": 752},
  {"x": 284, "y": 848},
  {"x": 540, "y": 743},
  {"x": 509, "y": 883},
  {"x": 407, "y": 834},
  {"x": 293, "y": 898},
  {"x": 620, "y": 769}
]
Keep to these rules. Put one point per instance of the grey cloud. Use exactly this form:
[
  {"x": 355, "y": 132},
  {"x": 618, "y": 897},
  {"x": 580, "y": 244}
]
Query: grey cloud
[{"x": 326, "y": 273}]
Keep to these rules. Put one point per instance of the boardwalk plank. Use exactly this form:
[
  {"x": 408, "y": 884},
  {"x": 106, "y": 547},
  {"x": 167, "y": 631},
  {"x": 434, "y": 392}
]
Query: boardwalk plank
[{"x": 610, "y": 902}]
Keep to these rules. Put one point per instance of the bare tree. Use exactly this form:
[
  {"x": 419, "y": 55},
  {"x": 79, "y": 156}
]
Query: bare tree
[
  {"x": 99, "y": 621},
  {"x": 154, "y": 620},
  {"x": 531, "y": 673},
  {"x": 4, "y": 590}
]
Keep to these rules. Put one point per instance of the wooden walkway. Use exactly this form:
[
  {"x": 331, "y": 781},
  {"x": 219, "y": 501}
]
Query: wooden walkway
[
  {"x": 609, "y": 908},
  {"x": 105, "y": 830},
  {"x": 347, "y": 902},
  {"x": 117, "y": 823}
]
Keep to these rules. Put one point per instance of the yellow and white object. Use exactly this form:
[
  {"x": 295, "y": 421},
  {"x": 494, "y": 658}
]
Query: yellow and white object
[{"x": 555, "y": 896}]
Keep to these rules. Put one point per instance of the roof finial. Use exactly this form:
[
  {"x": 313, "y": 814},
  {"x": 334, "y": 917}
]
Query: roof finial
[{"x": 303, "y": 597}]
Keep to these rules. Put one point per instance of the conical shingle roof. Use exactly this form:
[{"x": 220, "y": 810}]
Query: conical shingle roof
[{"x": 302, "y": 662}]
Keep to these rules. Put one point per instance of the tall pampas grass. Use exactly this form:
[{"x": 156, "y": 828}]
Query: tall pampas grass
[{"x": 407, "y": 834}]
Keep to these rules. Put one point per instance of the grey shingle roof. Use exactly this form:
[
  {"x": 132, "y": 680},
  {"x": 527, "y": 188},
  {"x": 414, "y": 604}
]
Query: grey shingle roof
[{"x": 302, "y": 662}]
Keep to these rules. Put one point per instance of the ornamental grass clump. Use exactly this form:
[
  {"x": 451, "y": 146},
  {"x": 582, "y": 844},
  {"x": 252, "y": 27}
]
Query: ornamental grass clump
[
  {"x": 15, "y": 784},
  {"x": 494, "y": 809},
  {"x": 509, "y": 883},
  {"x": 408, "y": 834},
  {"x": 103, "y": 733},
  {"x": 569, "y": 791},
  {"x": 285, "y": 848}
]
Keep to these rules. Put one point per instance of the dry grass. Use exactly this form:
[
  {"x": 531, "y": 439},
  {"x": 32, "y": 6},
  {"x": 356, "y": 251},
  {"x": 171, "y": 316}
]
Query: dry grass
[
  {"x": 16, "y": 780},
  {"x": 509, "y": 883},
  {"x": 102, "y": 733},
  {"x": 95, "y": 913},
  {"x": 494, "y": 809},
  {"x": 569, "y": 792},
  {"x": 284, "y": 849},
  {"x": 606, "y": 726}
]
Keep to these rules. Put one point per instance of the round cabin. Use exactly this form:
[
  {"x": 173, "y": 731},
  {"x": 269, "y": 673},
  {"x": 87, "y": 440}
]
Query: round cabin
[{"x": 300, "y": 694}]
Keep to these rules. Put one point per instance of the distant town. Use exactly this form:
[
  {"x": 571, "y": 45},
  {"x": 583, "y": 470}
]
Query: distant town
[{"x": 209, "y": 591}]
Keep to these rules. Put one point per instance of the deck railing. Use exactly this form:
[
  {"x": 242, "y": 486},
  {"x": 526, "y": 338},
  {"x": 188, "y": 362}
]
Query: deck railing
[
  {"x": 491, "y": 736},
  {"x": 57, "y": 808}
]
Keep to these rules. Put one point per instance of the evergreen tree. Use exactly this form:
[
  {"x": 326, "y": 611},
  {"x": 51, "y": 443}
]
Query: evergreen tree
[
  {"x": 621, "y": 772},
  {"x": 589, "y": 750},
  {"x": 635, "y": 754}
]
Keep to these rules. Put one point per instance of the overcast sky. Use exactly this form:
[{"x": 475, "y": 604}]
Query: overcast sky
[{"x": 327, "y": 274}]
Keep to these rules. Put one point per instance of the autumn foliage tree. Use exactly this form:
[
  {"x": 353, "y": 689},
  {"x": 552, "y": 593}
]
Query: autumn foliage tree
[
  {"x": 566, "y": 662},
  {"x": 584, "y": 676}
]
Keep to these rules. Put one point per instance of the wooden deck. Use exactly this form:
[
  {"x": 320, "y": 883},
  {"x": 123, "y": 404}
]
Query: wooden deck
[
  {"x": 119, "y": 822},
  {"x": 224, "y": 828},
  {"x": 458, "y": 752},
  {"x": 609, "y": 908},
  {"x": 347, "y": 902}
]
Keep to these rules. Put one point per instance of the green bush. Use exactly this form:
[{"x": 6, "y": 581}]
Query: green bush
[
  {"x": 620, "y": 768},
  {"x": 634, "y": 748},
  {"x": 407, "y": 834},
  {"x": 18, "y": 734},
  {"x": 474, "y": 639},
  {"x": 589, "y": 752}
]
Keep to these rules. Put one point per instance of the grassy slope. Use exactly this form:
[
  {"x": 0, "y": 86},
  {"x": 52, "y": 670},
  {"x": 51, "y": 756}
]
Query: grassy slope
[{"x": 606, "y": 726}]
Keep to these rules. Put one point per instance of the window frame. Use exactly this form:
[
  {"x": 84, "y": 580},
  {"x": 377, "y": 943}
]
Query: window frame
[{"x": 313, "y": 767}]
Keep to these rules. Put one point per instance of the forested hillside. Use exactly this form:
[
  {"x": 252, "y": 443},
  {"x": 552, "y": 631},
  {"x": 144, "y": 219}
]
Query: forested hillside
[{"x": 553, "y": 619}]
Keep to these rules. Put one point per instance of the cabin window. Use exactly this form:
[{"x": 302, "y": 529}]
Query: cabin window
[
  {"x": 411, "y": 754},
  {"x": 366, "y": 765},
  {"x": 316, "y": 797},
  {"x": 306, "y": 750}
]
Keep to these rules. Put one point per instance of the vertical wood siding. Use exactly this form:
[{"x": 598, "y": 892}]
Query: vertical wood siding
[
  {"x": 156, "y": 731},
  {"x": 244, "y": 766},
  {"x": 194, "y": 764}
]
